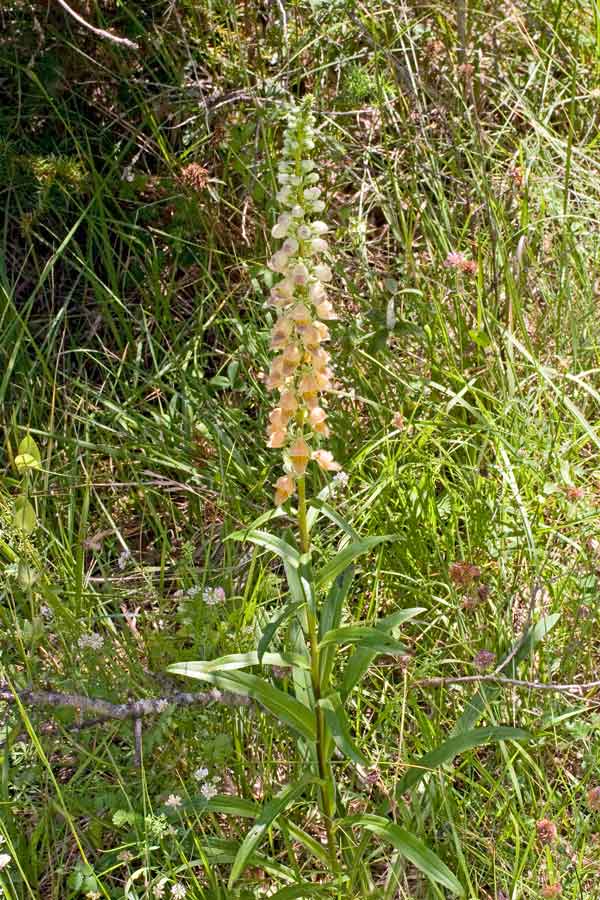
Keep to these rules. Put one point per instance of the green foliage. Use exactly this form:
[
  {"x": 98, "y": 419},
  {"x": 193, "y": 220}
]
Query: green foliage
[{"x": 133, "y": 342}]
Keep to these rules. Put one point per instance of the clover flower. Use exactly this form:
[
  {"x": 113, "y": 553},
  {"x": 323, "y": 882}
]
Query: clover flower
[
  {"x": 93, "y": 641},
  {"x": 301, "y": 370},
  {"x": 213, "y": 596}
]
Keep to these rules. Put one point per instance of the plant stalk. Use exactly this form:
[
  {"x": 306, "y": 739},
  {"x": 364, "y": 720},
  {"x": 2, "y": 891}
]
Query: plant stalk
[{"x": 327, "y": 805}]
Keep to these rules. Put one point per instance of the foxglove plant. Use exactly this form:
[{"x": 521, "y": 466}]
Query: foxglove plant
[
  {"x": 301, "y": 369},
  {"x": 312, "y": 702}
]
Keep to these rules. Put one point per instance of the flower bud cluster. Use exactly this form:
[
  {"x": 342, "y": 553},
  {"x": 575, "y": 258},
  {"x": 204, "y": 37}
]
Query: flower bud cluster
[{"x": 301, "y": 370}]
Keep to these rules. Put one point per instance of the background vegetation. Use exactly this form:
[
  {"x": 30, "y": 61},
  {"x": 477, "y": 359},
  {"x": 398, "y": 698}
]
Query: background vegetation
[{"x": 137, "y": 199}]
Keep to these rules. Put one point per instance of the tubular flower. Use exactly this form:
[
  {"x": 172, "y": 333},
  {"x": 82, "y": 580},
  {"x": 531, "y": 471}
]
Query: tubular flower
[{"x": 301, "y": 369}]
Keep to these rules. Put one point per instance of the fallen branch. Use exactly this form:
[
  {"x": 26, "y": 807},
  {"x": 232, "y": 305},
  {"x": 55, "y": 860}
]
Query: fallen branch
[
  {"x": 514, "y": 682},
  {"x": 107, "y": 35},
  {"x": 136, "y": 709}
]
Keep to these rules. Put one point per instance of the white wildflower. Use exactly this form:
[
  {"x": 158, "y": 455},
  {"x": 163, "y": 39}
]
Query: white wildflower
[
  {"x": 93, "y": 641},
  {"x": 5, "y": 859},
  {"x": 174, "y": 801},
  {"x": 159, "y": 888},
  {"x": 209, "y": 790},
  {"x": 178, "y": 891},
  {"x": 340, "y": 481},
  {"x": 124, "y": 558},
  {"x": 201, "y": 773}
]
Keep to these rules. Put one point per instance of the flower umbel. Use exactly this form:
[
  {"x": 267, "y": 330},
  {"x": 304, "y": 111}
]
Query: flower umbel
[{"x": 300, "y": 371}]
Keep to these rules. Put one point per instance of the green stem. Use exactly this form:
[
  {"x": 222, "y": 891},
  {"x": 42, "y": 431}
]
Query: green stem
[
  {"x": 302, "y": 520},
  {"x": 327, "y": 803}
]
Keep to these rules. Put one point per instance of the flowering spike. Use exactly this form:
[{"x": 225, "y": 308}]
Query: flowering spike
[{"x": 300, "y": 371}]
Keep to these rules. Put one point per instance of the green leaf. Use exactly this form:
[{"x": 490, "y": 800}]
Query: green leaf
[
  {"x": 243, "y": 661},
  {"x": 271, "y": 629},
  {"x": 314, "y": 847},
  {"x": 288, "y": 554},
  {"x": 322, "y": 507},
  {"x": 232, "y": 806},
  {"x": 300, "y": 890},
  {"x": 286, "y": 708},
  {"x": 475, "y": 708},
  {"x": 331, "y": 614},
  {"x": 338, "y": 725},
  {"x": 362, "y": 658},
  {"x": 220, "y": 851},
  {"x": 24, "y": 517},
  {"x": 270, "y": 812},
  {"x": 410, "y": 847},
  {"x": 343, "y": 559},
  {"x": 28, "y": 455},
  {"x": 453, "y": 747},
  {"x": 372, "y": 639},
  {"x": 24, "y": 462}
]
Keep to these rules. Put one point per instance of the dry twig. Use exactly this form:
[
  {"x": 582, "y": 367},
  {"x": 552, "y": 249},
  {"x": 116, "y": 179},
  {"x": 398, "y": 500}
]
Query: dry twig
[
  {"x": 574, "y": 688},
  {"x": 107, "y": 35}
]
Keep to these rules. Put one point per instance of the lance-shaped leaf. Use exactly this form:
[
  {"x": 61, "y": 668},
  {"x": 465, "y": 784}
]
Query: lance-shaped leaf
[
  {"x": 271, "y": 629},
  {"x": 320, "y": 506},
  {"x": 304, "y": 889},
  {"x": 220, "y": 851},
  {"x": 347, "y": 555},
  {"x": 338, "y": 726},
  {"x": 374, "y": 639},
  {"x": 331, "y": 614},
  {"x": 241, "y": 661},
  {"x": 454, "y": 746},
  {"x": 269, "y": 541},
  {"x": 362, "y": 658},
  {"x": 286, "y": 708},
  {"x": 269, "y": 813},
  {"x": 414, "y": 850}
]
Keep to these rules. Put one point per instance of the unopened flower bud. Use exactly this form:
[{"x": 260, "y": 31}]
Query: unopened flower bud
[
  {"x": 290, "y": 246},
  {"x": 304, "y": 232}
]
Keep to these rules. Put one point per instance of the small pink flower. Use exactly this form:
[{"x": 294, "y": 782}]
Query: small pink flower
[{"x": 459, "y": 261}]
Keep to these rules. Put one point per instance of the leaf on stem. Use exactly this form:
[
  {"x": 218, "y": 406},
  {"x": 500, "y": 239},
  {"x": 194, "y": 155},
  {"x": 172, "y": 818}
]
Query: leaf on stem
[
  {"x": 410, "y": 847},
  {"x": 286, "y": 708},
  {"x": 453, "y": 747},
  {"x": 269, "y": 813},
  {"x": 338, "y": 726},
  {"x": 344, "y": 557}
]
